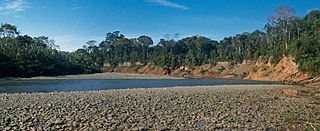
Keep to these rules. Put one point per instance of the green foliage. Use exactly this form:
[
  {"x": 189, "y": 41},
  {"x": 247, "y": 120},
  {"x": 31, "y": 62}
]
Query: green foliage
[
  {"x": 316, "y": 127},
  {"x": 221, "y": 69},
  {"x": 308, "y": 53},
  {"x": 23, "y": 56},
  {"x": 264, "y": 68},
  {"x": 202, "y": 71},
  {"x": 255, "y": 69},
  {"x": 241, "y": 75},
  {"x": 290, "y": 117},
  {"x": 285, "y": 34},
  {"x": 179, "y": 110},
  {"x": 231, "y": 66}
]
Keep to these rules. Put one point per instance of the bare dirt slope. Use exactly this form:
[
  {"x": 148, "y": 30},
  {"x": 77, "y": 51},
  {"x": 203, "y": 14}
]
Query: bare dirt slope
[{"x": 286, "y": 70}]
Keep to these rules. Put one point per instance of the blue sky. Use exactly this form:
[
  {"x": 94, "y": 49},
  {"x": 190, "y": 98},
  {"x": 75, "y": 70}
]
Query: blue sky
[{"x": 73, "y": 22}]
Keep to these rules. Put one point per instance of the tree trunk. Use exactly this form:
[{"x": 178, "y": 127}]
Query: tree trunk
[
  {"x": 289, "y": 35},
  {"x": 286, "y": 44},
  {"x": 298, "y": 33},
  {"x": 286, "y": 38}
]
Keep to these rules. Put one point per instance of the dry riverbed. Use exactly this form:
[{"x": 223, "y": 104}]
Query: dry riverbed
[
  {"x": 221, "y": 107},
  {"x": 102, "y": 76}
]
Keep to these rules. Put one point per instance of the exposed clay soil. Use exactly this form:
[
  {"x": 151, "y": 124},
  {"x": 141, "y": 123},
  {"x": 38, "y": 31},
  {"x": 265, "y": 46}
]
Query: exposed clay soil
[{"x": 286, "y": 70}]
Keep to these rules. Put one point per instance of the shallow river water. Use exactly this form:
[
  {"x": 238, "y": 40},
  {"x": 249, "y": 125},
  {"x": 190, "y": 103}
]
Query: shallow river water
[{"x": 29, "y": 86}]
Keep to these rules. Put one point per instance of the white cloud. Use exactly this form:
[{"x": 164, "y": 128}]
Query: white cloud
[
  {"x": 313, "y": 10},
  {"x": 13, "y": 6},
  {"x": 74, "y": 42},
  {"x": 75, "y": 8},
  {"x": 74, "y": 5},
  {"x": 168, "y": 4}
]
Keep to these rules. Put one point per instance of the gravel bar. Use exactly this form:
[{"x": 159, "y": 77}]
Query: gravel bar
[
  {"x": 101, "y": 76},
  {"x": 244, "y": 107}
]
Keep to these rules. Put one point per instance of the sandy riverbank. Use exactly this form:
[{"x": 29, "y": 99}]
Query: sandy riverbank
[
  {"x": 102, "y": 76},
  {"x": 220, "y": 107}
]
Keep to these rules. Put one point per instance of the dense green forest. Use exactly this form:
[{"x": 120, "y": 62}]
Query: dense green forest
[
  {"x": 24, "y": 56},
  {"x": 284, "y": 34}
]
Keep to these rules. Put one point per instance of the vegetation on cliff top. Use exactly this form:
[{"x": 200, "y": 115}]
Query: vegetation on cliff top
[{"x": 285, "y": 34}]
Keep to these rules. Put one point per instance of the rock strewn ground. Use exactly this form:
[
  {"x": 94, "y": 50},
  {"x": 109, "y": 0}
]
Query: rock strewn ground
[{"x": 224, "y": 107}]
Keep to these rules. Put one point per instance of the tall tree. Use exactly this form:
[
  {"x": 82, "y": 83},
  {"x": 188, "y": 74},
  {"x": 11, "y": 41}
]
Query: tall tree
[
  {"x": 145, "y": 42},
  {"x": 283, "y": 16},
  {"x": 8, "y": 30}
]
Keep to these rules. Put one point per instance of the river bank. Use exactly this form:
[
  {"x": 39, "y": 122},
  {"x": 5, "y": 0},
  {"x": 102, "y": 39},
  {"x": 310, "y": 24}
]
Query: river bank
[
  {"x": 102, "y": 76},
  {"x": 220, "y": 107},
  {"x": 263, "y": 69}
]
